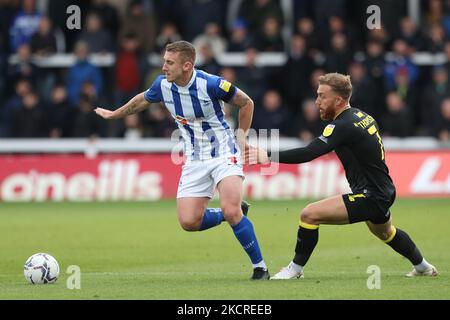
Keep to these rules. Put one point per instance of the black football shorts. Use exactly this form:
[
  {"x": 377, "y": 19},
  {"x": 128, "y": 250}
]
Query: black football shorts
[{"x": 361, "y": 208}]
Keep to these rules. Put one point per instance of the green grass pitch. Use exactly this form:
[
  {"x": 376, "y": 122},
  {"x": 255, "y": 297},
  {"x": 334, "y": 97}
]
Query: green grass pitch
[{"x": 138, "y": 251}]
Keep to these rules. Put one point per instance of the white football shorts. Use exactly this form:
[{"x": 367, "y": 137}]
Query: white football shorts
[{"x": 200, "y": 178}]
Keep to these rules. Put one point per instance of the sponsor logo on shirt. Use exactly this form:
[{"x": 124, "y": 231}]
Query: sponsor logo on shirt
[{"x": 328, "y": 130}]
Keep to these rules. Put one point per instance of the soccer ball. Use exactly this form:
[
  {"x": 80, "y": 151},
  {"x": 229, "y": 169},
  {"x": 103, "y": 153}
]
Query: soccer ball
[{"x": 41, "y": 268}]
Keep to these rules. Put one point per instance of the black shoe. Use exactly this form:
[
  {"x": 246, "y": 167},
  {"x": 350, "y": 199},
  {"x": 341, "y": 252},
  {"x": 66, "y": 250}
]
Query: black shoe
[
  {"x": 245, "y": 206},
  {"x": 260, "y": 274}
]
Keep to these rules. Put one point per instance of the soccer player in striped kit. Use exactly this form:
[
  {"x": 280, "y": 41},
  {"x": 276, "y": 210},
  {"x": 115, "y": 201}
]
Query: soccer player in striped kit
[{"x": 195, "y": 100}]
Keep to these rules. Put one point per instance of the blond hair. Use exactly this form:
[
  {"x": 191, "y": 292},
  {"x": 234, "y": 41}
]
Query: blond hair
[
  {"x": 339, "y": 83},
  {"x": 186, "y": 50}
]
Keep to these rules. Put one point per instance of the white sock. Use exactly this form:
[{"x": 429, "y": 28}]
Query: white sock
[
  {"x": 423, "y": 266},
  {"x": 261, "y": 264},
  {"x": 296, "y": 267}
]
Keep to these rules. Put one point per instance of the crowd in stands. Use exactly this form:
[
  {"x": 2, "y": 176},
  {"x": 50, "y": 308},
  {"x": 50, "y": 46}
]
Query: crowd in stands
[{"x": 317, "y": 37}]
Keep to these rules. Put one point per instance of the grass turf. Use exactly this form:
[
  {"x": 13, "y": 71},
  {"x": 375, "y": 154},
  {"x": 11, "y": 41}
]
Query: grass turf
[{"x": 138, "y": 251}]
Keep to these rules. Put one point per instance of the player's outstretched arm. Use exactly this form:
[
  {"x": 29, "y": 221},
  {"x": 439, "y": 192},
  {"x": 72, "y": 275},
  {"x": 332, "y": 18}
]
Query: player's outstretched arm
[
  {"x": 298, "y": 155},
  {"x": 135, "y": 105},
  {"x": 254, "y": 155},
  {"x": 242, "y": 101}
]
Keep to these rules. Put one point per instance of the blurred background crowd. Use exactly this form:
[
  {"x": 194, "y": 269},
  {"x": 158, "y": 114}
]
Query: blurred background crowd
[{"x": 407, "y": 99}]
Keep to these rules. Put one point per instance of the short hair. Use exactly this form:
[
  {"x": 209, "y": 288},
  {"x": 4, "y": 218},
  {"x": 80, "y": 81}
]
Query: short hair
[
  {"x": 186, "y": 50},
  {"x": 341, "y": 84}
]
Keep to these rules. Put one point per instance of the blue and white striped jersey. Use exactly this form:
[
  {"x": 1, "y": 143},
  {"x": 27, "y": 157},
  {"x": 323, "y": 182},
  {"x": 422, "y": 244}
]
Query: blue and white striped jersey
[{"x": 198, "y": 111}]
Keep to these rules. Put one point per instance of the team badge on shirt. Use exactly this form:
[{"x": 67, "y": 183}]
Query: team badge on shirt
[
  {"x": 328, "y": 130},
  {"x": 225, "y": 85}
]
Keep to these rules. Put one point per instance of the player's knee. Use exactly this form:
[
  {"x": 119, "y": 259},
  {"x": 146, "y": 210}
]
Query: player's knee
[
  {"x": 308, "y": 215},
  {"x": 384, "y": 235},
  {"x": 189, "y": 224},
  {"x": 231, "y": 212}
]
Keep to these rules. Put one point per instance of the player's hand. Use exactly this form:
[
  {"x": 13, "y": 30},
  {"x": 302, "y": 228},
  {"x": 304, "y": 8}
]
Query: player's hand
[
  {"x": 254, "y": 155},
  {"x": 104, "y": 113}
]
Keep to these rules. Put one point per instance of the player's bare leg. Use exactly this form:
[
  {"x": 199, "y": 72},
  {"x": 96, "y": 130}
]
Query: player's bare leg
[
  {"x": 400, "y": 241},
  {"x": 327, "y": 211},
  {"x": 190, "y": 212},
  {"x": 230, "y": 193}
]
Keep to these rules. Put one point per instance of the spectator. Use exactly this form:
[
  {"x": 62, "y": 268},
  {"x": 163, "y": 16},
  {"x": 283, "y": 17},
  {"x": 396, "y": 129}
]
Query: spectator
[
  {"x": 400, "y": 61},
  {"x": 130, "y": 68},
  {"x": 434, "y": 14},
  {"x": 81, "y": 72},
  {"x": 433, "y": 95},
  {"x": 374, "y": 64},
  {"x": 339, "y": 57},
  {"x": 314, "y": 83},
  {"x": 133, "y": 128},
  {"x": 255, "y": 13},
  {"x": 409, "y": 33},
  {"x": 212, "y": 38},
  {"x": 168, "y": 34},
  {"x": 252, "y": 77},
  {"x": 8, "y": 11},
  {"x": 407, "y": 92},
  {"x": 108, "y": 15},
  {"x": 297, "y": 72},
  {"x": 140, "y": 23},
  {"x": 86, "y": 123},
  {"x": 23, "y": 69},
  {"x": 436, "y": 39},
  {"x": 97, "y": 38},
  {"x": 207, "y": 61},
  {"x": 28, "y": 121},
  {"x": 443, "y": 127},
  {"x": 60, "y": 113},
  {"x": 196, "y": 14},
  {"x": 337, "y": 25},
  {"x": 381, "y": 36},
  {"x": 158, "y": 123},
  {"x": 273, "y": 114},
  {"x": 396, "y": 122},
  {"x": 269, "y": 38},
  {"x": 364, "y": 90},
  {"x": 306, "y": 28},
  {"x": 25, "y": 24},
  {"x": 22, "y": 88},
  {"x": 43, "y": 42},
  {"x": 308, "y": 124},
  {"x": 240, "y": 40}
]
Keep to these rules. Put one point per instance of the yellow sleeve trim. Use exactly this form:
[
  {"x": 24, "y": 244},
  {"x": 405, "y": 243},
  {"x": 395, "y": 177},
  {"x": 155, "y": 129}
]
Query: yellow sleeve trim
[
  {"x": 308, "y": 226},
  {"x": 394, "y": 231}
]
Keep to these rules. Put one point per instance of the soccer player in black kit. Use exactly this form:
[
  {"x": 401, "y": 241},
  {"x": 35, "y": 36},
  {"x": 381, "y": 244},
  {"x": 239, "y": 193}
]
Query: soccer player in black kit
[{"x": 355, "y": 137}]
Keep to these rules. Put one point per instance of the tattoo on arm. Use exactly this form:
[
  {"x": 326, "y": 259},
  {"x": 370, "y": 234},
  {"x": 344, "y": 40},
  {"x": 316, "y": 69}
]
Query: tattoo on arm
[
  {"x": 135, "y": 105},
  {"x": 240, "y": 99},
  {"x": 130, "y": 110}
]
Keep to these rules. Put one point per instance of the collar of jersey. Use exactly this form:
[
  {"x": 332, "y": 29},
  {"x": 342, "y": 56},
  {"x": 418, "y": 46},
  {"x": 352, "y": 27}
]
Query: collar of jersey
[
  {"x": 342, "y": 112},
  {"x": 194, "y": 75}
]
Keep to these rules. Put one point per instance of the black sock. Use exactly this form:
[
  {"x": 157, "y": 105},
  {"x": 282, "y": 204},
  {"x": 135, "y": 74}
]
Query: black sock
[
  {"x": 403, "y": 244},
  {"x": 306, "y": 242}
]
